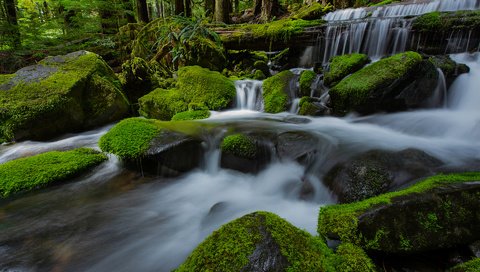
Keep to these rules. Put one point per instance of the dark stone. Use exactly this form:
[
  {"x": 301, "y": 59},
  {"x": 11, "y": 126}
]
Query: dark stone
[
  {"x": 297, "y": 146},
  {"x": 248, "y": 165},
  {"x": 378, "y": 171}
]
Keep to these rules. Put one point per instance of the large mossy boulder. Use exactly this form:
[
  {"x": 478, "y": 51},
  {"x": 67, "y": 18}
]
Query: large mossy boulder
[
  {"x": 195, "y": 86},
  {"x": 396, "y": 83},
  {"x": 470, "y": 266},
  {"x": 450, "y": 69},
  {"x": 138, "y": 78},
  {"x": 342, "y": 66},
  {"x": 160, "y": 148},
  {"x": 259, "y": 241},
  {"x": 277, "y": 92},
  {"x": 307, "y": 77},
  {"x": 177, "y": 42},
  {"x": 26, "y": 174},
  {"x": 244, "y": 153},
  {"x": 60, "y": 94},
  {"x": 378, "y": 171},
  {"x": 439, "y": 212}
]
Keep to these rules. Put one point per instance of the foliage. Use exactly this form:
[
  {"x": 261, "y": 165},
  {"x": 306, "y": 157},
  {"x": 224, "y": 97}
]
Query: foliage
[
  {"x": 30, "y": 173},
  {"x": 342, "y": 220},
  {"x": 342, "y": 66},
  {"x": 275, "y": 92},
  {"x": 194, "y": 85},
  {"x": 239, "y": 145},
  {"x": 130, "y": 138},
  {"x": 470, "y": 266},
  {"x": 191, "y": 115}
]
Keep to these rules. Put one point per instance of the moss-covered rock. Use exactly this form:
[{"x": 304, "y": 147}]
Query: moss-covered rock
[
  {"x": 308, "y": 106},
  {"x": 378, "y": 171},
  {"x": 194, "y": 85},
  {"x": 137, "y": 78},
  {"x": 447, "y": 21},
  {"x": 239, "y": 145},
  {"x": 352, "y": 258},
  {"x": 191, "y": 115},
  {"x": 259, "y": 75},
  {"x": 342, "y": 66},
  {"x": 157, "y": 147},
  {"x": 306, "y": 79},
  {"x": 470, "y": 266},
  {"x": 276, "y": 92},
  {"x": 45, "y": 169},
  {"x": 449, "y": 67},
  {"x": 395, "y": 83},
  {"x": 259, "y": 241},
  {"x": 439, "y": 212},
  {"x": 60, "y": 94},
  {"x": 262, "y": 66},
  {"x": 194, "y": 44},
  {"x": 312, "y": 11}
]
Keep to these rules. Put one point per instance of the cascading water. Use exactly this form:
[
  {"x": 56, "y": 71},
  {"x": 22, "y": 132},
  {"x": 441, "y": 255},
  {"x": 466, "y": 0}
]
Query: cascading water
[
  {"x": 249, "y": 95},
  {"x": 384, "y": 30}
]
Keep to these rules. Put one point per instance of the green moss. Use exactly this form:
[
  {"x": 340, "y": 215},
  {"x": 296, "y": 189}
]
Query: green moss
[
  {"x": 276, "y": 30},
  {"x": 447, "y": 21},
  {"x": 470, "y": 266},
  {"x": 312, "y": 11},
  {"x": 259, "y": 75},
  {"x": 130, "y": 138},
  {"x": 228, "y": 248},
  {"x": 429, "y": 221},
  {"x": 194, "y": 85},
  {"x": 307, "y": 107},
  {"x": 239, "y": 145},
  {"x": 352, "y": 258},
  {"x": 30, "y": 173},
  {"x": 306, "y": 79},
  {"x": 342, "y": 66},
  {"x": 191, "y": 115},
  {"x": 342, "y": 220},
  {"x": 356, "y": 89},
  {"x": 382, "y": 3},
  {"x": 275, "y": 92}
]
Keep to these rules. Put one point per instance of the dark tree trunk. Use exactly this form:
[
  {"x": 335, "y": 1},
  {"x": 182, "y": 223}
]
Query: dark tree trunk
[
  {"x": 270, "y": 8},
  {"x": 257, "y": 7},
  {"x": 237, "y": 6},
  {"x": 142, "y": 11},
  {"x": 221, "y": 11},
  {"x": 128, "y": 11},
  {"x": 179, "y": 7},
  {"x": 188, "y": 8},
  {"x": 210, "y": 7},
  {"x": 12, "y": 20},
  {"x": 159, "y": 9}
]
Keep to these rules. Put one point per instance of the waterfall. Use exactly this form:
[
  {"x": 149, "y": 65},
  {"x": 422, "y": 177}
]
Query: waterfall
[
  {"x": 439, "y": 97},
  {"x": 249, "y": 95},
  {"x": 464, "y": 92},
  {"x": 381, "y": 31}
]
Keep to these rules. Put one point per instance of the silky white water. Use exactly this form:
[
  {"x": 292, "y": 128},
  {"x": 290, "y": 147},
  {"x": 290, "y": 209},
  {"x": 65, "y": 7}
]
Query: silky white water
[{"x": 115, "y": 220}]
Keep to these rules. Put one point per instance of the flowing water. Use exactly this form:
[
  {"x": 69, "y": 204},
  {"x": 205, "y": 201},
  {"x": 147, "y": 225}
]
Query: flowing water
[{"x": 116, "y": 220}]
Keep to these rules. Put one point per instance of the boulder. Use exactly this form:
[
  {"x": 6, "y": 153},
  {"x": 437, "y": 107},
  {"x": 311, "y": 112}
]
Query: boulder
[
  {"x": 277, "y": 92},
  {"x": 311, "y": 106},
  {"x": 342, "y": 66},
  {"x": 439, "y": 212},
  {"x": 259, "y": 241},
  {"x": 60, "y": 94},
  {"x": 378, "y": 171},
  {"x": 400, "y": 82},
  {"x": 244, "y": 153},
  {"x": 306, "y": 79},
  {"x": 137, "y": 78},
  {"x": 300, "y": 146},
  {"x": 46, "y": 169},
  {"x": 451, "y": 70},
  {"x": 159, "y": 148},
  {"x": 195, "y": 87},
  {"x": 470, "y": 266}
]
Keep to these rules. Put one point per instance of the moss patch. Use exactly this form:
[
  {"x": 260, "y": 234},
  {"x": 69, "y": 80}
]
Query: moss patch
[
  {"x": 229, "y": 248},
  {"x": 312, "y": 11},
  {"x": 239, "y": 145},
  {"x": 342, "y": 220},
  {"x": 30, "y": 173},
  {"x": 307, "y": 107},
  {"x": 194, "y": 85},
  {"x": 470, "y": 266},
  {"x": 351, "y": 258},
  {"x": 342, "y": 66},
  {"x": 275, "y": 92},
  {"x": 447, "y": 21},
  {"x": 306, "y": 79},
  {"x": 191, "y": 115},
  {"x": 356, "y": 90}
]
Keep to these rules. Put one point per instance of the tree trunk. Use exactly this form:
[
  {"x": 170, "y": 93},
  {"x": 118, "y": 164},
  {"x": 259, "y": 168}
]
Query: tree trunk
[
  {"x": 257, "y": 7},
  {"x": 128, "y": 11},
  {"x": 179, "y": 7},
  {"x": 237, "y": 6},
  {"x": 209, "y": 7},
  {"x": 221, "y": 11},
  {"x": 188, "y": 8},
  {"x": 159, "y": 9},
  {"x": 270, "y": 8},
  {"x": 142, "y": 11},
  {"x": 12, "y": 20}
]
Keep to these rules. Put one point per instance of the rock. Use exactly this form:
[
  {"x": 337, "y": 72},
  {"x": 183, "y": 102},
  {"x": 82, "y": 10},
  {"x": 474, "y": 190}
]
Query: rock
[
  {"x": 439, "y": 212},
  {"x": 191, "y": 115},
  {"x": 195, "y": 85},
  {"x": 449, "y": 67},
  {"x": 342, "y": 66},
  {"x": 300, "y": 146},
  {"x": 312, "y": 11},
  {"x": 60, "y": 94},
  {"x": 306, "y": 79},
  {"x": 378, "y": 171},
  {"x": 198, "y": 45},
  {"x": 262, "y": 66},
  {"x": 311, "y": 106},
  {"x": 475, "y": 248},
  {"x": 30, "y": 173},
  {"x": 277, "y": 92},
  {"x": 403, "y": 81},
  {"x": 470, "y": 266},
  {"x": 243, "y": 153},
  {"x": 159, "y": 148},
  {"x": 261, "y": 241},
  {"x": 137, "y": 78}
]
